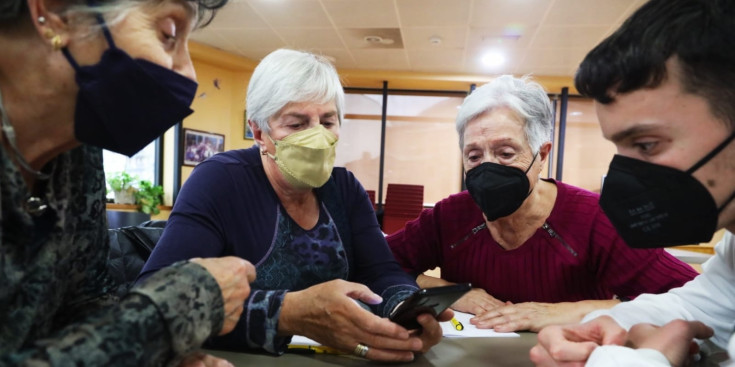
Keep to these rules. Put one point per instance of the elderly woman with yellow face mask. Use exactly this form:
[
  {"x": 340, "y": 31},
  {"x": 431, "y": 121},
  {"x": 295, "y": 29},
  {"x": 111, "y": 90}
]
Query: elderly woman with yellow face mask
[{"x": 324, "y": 268}]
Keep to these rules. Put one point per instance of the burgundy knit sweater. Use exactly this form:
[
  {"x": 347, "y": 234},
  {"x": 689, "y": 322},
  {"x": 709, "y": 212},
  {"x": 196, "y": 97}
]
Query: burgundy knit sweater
[{"x": 577, "y": 255}]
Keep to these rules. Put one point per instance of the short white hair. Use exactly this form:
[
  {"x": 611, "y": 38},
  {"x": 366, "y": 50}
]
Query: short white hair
[
  {"x": 289, "y": 76},
  {"x": 522, "y": 95}
]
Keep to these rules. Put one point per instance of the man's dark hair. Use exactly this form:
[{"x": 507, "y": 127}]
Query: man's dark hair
[
  {"x": 14, "y": 11},
  {"x": 700, "y": 34}
]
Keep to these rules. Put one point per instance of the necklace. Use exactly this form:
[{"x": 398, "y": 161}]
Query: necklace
[
  {"x": 10, "y": 135},
  {"x": 34, "y": 205}
]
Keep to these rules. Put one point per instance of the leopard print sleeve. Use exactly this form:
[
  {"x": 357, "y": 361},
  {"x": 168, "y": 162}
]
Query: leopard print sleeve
[{"x": 190, "y": 302}]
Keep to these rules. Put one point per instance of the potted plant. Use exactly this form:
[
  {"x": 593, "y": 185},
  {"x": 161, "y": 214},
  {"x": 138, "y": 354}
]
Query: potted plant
[
  {"x": 149, "y": 197},
  {"x": 123, "y": 186}
]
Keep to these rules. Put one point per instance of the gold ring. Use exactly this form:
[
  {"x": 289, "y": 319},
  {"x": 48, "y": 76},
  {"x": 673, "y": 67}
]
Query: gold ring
[{"x": 361, "y": 350}]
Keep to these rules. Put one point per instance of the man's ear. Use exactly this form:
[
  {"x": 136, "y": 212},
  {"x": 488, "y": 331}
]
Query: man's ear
[{"x": 49, "y": 23}]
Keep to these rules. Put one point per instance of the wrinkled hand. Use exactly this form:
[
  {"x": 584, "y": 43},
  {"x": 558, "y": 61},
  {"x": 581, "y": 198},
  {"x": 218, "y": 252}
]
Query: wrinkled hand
[
  {"x": 200, "y": 359},
  {"x": 477, "y": 302},
  {"x": 571, "y": 345},
  {"x": 674, "y": 340},
  {"x": 328, "y": 314},
  {"x": 527, "y": 316},
  {"x": 233, "y": 276}
]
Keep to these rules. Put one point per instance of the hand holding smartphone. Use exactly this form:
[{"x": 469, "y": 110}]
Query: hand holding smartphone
[{"x": 427, "y": 300}]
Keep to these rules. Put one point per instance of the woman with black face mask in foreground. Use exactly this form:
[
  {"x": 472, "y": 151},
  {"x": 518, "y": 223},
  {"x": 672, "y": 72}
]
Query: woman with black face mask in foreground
[
  {"x": 76, "y": 77},
  {"x": 538, "y": 251}
]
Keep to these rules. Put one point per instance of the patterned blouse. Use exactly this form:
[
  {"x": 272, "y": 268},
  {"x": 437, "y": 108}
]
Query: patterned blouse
[{"x": 55, "y": 302}]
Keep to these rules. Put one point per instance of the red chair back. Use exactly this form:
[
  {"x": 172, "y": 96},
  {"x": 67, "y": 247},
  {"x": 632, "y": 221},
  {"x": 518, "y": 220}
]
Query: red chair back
[{"x": 402, "y": 203}]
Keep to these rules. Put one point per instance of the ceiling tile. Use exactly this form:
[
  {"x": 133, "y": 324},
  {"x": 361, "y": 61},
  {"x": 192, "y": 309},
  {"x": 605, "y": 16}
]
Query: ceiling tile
[
  {"x": 436, "y": 60},
  {"x": 508, "y": 13},
  {"x": 249, "y": 39},
  {"x": 313, "y": 38},
  {"x": 355, "y": 38},
  {"x": 587, "y": 12},
  {"x": 419, "y": 38},
  {"x": 493, "y": 37},
  {"x": 473, "y": 61},
  {"x": 554, "y": 57},
  {"x": 541, "y": 36},
  {"x": 291, "y": 13},
  {"x": 585, "y": 37},
  {"x": 362, "y": 14},
  {"x": 237, "y": 15},
  {"x": 433, "y": 13},
  {"x": 212, "y": 38},
  {"x": 381, "y": 59},
  {"x": 341, "y": 57}
]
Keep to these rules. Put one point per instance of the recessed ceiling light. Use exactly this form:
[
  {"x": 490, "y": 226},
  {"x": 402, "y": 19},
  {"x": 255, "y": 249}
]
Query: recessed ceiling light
[
  {"x": 493, "y": 59},
  {"x": 575, "y": 113},
  {"x": 378, "y": 39}
]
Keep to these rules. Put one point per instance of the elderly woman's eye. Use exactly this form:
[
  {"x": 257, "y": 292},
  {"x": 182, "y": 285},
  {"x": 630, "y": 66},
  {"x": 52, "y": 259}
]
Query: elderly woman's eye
[{"x": 168, "y": 32}]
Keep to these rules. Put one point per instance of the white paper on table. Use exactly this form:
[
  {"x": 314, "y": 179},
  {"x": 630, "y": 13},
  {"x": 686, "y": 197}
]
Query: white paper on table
[
  {"x": 302, "y": 340},
  {"x": 470, "y": 331}
]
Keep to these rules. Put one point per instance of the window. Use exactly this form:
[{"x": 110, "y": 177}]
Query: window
[
  {"x": 143, "y": 164},
  {"x": 421, "y": 144}
]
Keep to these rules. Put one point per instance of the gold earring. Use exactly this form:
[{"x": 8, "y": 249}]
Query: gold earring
[{"x": 56, "y": 42}]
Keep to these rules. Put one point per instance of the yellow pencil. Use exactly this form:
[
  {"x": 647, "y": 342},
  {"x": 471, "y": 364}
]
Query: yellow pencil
[
  {"x": 457, "y": 325},
  {"x": 313, "y": 349}
]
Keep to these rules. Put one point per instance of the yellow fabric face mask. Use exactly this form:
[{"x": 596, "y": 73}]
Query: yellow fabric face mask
[{"x": 306, "y": 158}]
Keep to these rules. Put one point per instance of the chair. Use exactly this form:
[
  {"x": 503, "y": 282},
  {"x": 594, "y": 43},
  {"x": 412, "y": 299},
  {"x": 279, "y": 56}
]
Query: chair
[
  {"x": 130, "y": 247},
  {"x": 402, "y": 203}
]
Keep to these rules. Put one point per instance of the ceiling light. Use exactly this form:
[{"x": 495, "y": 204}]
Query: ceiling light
[
  {"x": 435, "y": 40},
  {"x": 575, "y": 113},
  {"x": 378, "y": 40},
  {"x": 493, "y": 59}
]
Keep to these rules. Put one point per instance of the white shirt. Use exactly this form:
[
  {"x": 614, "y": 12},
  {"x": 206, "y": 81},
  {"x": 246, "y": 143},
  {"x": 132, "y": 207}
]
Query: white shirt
[{"x": 709, "y": 298}]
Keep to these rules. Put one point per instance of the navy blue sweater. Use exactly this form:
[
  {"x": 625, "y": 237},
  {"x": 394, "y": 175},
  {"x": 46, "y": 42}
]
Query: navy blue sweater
[{"x": 228, "y": 207}]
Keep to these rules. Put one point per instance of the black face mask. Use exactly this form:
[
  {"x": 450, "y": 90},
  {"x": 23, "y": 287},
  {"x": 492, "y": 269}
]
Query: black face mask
[
  {"x": 497, "y": 189},
  {"x": 124, "y": 103},
  {"x": 652, "y": 205}
]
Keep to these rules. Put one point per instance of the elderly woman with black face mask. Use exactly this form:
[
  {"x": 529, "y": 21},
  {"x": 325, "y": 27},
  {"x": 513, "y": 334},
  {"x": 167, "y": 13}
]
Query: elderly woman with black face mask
[
  {"x": 324, "y": 268},
  {"x": 538, "y": 251},
  {"x": 75, "y": 77}
]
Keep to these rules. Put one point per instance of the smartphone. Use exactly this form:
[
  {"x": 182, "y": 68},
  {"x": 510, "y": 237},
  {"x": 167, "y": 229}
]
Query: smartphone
[{"x": 427, "y": 300}]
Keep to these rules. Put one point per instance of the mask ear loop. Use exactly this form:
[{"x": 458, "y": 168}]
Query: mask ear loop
[
  {"x": 105, "y": 31},
  {"x": 531, "y": 165},
  {"x": 706, "y": 159},
  {"x": 711, "y": 154}
]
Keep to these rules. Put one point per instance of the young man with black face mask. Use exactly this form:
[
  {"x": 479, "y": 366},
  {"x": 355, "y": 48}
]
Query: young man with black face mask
[{"x": 665, "y": 85}]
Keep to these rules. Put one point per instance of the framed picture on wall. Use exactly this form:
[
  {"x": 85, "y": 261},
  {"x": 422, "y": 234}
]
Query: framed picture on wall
[
  {"x": 248, "y": 132},
  {"x": 200, "y": 145}
]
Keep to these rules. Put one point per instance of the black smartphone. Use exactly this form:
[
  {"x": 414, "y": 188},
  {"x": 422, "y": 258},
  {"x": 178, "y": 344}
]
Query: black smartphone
[{"x": 427, "y": 300}]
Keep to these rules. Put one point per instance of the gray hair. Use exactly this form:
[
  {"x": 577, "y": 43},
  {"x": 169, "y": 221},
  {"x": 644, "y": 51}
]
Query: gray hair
[
  {"x": 526, "y": 98},
  {"x": 288, "y": 76},
  {"x": 14, "y": 12}
]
